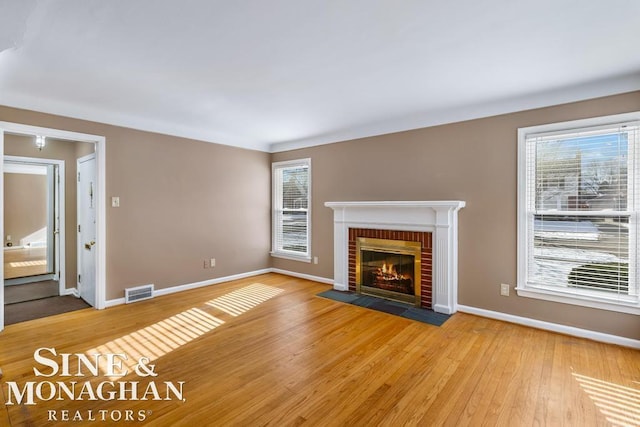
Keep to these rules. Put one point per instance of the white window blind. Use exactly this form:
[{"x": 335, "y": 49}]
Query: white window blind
[
  {"x": 291, "y": 201},
  {"x": 582, "y": 198}
]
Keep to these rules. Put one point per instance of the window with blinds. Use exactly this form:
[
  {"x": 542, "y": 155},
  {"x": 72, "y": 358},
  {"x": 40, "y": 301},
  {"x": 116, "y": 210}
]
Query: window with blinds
[
  {"x": 291, "y": 217},
  {"x": 578, "y": 203}
]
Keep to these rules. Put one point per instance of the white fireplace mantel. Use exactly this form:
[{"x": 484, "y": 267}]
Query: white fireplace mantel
[{"x": 437, "y": 217}]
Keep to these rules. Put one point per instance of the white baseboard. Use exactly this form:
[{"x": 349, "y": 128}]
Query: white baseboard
[
  {"x": 113, "y": 302},
  {"x": 188, "y": 286},
  {"x": 442, "y": 308},
  {"x": 302, "y": 276},
  {"x": 553, "y": 327},
  {"x": 71, "y": 291},
  {"x": 539, "y": 324},
  {"x": 180, "y": 288}
]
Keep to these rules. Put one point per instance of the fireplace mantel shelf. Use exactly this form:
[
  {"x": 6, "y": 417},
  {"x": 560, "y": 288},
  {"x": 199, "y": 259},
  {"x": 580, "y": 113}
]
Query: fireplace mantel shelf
[
  {"x": 439, "y": 217},
  {"x": 451, "y": 204}
]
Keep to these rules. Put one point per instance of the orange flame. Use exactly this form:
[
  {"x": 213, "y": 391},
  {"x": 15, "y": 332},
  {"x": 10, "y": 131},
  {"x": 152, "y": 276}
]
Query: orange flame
[{"x": 388, "y": 269}]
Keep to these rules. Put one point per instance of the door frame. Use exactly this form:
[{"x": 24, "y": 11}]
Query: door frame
[
  {"x": 58, "y": 205},
  {"x": 101, "y": 232}
]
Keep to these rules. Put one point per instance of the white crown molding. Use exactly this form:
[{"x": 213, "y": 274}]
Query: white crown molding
[
  {"x": 120, "y": 119},
  {"x": 582, "y": 92},
  {"x": 613, "y": 86}
]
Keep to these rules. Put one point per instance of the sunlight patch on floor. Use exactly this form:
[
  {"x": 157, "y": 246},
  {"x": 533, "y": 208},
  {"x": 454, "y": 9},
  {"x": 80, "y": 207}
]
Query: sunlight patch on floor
[
  {"x": 619, "y": 404},
  {"x": 241, "y": 300},
  {"x": 28, "y": 263},
  {"x": 160, "y": 338}
]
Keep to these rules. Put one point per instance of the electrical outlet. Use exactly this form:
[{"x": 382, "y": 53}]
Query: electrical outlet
[
  {"x": 212, "y": 262},
  {"x": 115, "y": 202},
  {"x": 315, "y": 259},
  {"x": 504, "y": 290},
  {"x": 206, "y": 264}
]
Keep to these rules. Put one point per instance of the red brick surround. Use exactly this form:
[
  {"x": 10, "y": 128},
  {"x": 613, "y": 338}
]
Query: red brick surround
[{"x": 426, "y": 258}]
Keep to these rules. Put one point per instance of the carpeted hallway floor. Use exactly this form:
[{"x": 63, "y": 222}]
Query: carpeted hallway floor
[
  {"x": 29, "y": 310},
  {"x": 30, "y": 291},
  {"x": 35, "y": 300}
]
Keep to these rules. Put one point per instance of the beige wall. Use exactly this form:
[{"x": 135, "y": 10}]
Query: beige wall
[
  {"x": 23, "y": 146},
  {"x": 182, "y": 201},
  {"x": 474, "y": 161},
  {"x": 25, "y": 205}
]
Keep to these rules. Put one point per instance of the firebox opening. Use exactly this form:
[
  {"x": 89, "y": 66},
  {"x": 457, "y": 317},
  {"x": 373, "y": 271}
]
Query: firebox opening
[
  {"x": 388, "y": 269},
  {"x": 393, "y": 272}
]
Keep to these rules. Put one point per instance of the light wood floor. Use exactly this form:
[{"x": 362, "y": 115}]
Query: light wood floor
[
  {"x": 25, "y": 262},
  {"x": 267, "y": 351}
]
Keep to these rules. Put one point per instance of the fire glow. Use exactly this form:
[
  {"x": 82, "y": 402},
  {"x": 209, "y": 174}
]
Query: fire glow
[
  {"x": 388, "y": 272},
  {"x": 387, "y": 277}
]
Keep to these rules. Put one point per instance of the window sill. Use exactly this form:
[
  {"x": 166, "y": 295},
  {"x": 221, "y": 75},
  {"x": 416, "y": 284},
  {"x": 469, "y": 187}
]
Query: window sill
[
  {"x": 628, "y": 307},
  {"x": 301, "y": 258}
]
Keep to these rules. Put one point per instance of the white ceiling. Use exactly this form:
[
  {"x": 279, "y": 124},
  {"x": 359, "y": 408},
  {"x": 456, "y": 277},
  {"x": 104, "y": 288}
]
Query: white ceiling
[{"x": 278, "y": 74}]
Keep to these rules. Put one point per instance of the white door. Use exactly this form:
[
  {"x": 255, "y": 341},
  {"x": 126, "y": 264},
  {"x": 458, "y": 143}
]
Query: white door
[{"x": 87, "y": 228}]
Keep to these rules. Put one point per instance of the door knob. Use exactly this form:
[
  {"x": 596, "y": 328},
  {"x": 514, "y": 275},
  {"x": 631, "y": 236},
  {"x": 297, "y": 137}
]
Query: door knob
[{"x": 88, "y": 245}]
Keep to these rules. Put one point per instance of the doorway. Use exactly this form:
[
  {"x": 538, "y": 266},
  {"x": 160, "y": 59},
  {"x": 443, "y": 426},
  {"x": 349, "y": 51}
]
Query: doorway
[
  {"x": 31, "y": 132},
  {"x": 34, "y": 218}
]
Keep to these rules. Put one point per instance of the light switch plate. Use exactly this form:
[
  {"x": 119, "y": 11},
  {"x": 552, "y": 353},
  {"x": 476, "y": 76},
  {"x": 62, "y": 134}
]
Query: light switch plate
[
  {"x": 504, "y": 290},
  {"x": 115, "y": 202}
]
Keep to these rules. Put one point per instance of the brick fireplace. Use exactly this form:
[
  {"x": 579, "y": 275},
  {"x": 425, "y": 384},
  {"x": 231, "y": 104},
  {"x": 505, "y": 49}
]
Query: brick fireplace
[
  {"x": 422, "y": 295},
  {"x": 434, "y": 224}
]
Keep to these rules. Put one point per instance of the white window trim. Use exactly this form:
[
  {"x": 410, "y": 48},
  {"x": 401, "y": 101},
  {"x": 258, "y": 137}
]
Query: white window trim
[
  {"x": 290, "y": 255},
  {"x": 552, "y": 293}
]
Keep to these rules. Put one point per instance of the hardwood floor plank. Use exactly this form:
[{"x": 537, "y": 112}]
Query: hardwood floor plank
[
  {"x": 267, "y": 351},
  {"x": 473, "y": 392}
]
